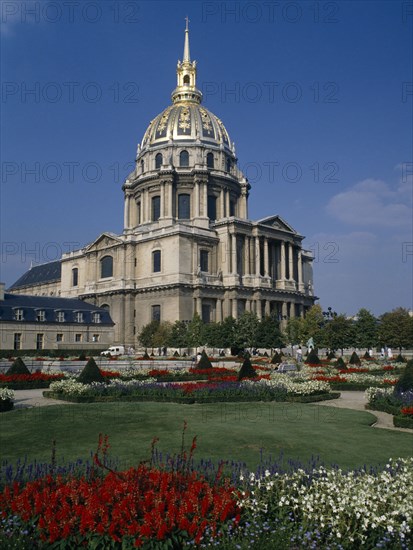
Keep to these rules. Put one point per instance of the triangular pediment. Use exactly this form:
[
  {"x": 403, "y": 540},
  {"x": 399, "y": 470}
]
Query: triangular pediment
[
  {"x": 277, "y": 223},
  {"x": 104, "y": 241}
]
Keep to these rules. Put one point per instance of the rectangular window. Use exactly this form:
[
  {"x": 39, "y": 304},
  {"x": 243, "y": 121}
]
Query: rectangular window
[
  {"x": 204, "y": 260},
  {"x": 17, "y": 340},
  {"x": 232, "y": 208},
  {"x": 75, "y": 276},
  {"x": 96, "y": 317},
  {"x": 156, "y": 261},
  {"x": 60, "y": 316},
  {"x": 79, "y": 317},
  {"x": 156, "y": 313},
  {"x": 212, "y": 207},
  {"x": 206, "y": 313},
  {"x": 156, "y": 208},
  {"x": 59, "y": 337},
  {"x": 18, "y": 315},
  {"x": 39, "y": 341},
  {"x": 41, "y": 315},
  {"x": 184, "y": 206},
  {"x": 95, "y": 337},
  {"x": 78, "y": 337}
]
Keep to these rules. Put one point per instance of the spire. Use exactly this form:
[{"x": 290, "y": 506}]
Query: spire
[
  {"x": 186, "y": 89},
  {"x": 187, "y": 56}
]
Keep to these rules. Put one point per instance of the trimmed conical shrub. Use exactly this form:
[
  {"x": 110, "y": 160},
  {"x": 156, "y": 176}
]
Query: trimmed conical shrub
[
  {"x": 400, "y": 359},
  {"x": 247, "y": 370},
  {"x": 355, "y": 359},
  {"x": 331, "y": 355},
  {"x": 340, "y": 364},
  {"x": 312, "y": 358},
  {"x": 366, "y": 355},
  {"x": 222, "y": 353},
  {"x": 276, "y": 358},
  {"x": 176, "y": 354},
  {"x": 90, "y": 373},
  {"x": 204, "y": 362},
  {"x": 405, "y": 382},
  {"x": 82, "y": 356},
  {"x": 145, "y": 355},
  {"x": 18, "y": 367}
]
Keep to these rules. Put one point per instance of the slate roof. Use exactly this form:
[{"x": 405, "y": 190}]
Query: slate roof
[
  {"x": 38, "y": 274},
  {"x": 50, "y": 305}
]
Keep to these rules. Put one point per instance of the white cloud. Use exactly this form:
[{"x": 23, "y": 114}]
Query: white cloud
[{"x": 374, "y": 203}]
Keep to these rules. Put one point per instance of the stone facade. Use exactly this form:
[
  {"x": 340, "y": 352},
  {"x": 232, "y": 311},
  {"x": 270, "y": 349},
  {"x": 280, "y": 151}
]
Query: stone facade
[{"x": 188, "y": 246}]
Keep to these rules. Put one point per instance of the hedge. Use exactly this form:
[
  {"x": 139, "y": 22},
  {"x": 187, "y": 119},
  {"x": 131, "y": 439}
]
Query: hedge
[
  {"x": 6, "y": 405},
  {"x": 403, "y": 422},
  {"x": 383, "y": 407}
]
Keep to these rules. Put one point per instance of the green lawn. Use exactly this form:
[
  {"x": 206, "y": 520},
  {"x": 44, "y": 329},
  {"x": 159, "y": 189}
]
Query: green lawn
[{"x": 225, "y": 431}]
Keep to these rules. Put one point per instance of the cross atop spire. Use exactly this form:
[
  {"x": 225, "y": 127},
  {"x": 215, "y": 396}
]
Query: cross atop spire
[{"x": 187, "y": 56}]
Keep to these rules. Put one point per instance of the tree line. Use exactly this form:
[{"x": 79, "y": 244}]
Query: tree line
[{"x": 394, "y": 329}]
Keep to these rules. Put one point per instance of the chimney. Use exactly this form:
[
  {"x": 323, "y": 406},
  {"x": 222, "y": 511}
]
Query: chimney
[{"x": 2, "y": 286}]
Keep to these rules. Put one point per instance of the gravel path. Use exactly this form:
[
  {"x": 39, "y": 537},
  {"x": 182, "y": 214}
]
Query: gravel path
[
  {"x": 356, "y": 400},
  {"x": 348, "y": 400}
]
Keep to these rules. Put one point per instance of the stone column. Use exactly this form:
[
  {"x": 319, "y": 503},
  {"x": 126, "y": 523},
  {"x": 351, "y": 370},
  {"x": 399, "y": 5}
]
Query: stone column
[
  {"x": 199, "y": 306},
  {"x": 196, "y": 199},
  {"x": 205, "y": 200},
  {"x": 126, "y": 223},
  {"x": 301, "y": 310},
  {"x": 266, "y": 263},
  {"x": 267, "y": 308},
  {"x": 170, "y": 200},
  {"x": 227, "y": 209},
  {"x": 235, "y": 308},
  {"x": 247, "y": 305},
  {"x": 292, "y": 310},
  {"x": 290, "y": 261},
  {"x": 257, "y": 257},
  {"x": 247, "y": 255},
  {"x": 300, "y": 270},
  {"x": 226, "y": 307},
  {"x": 282, "y": 260},
  {"x": 147, "y": 206},
  {"x": 284, "y": 311},
  {"x": 259, "y": 309},
  {"x": 218, "y": 311},
  {"x": 234, "y": 253},
  {"x": 222, "y": 203},
  {"x": 163, "y": 203}
]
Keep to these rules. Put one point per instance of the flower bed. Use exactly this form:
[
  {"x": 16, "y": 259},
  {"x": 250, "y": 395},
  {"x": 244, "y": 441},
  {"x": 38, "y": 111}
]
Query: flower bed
[
  {"x": 399, "y": 404},
  {"x": 157, "y": 506},
  {"x": 28, "y": 381}
]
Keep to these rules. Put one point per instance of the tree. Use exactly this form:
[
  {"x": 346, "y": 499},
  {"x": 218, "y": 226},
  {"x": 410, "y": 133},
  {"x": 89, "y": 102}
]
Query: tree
[
  {"x": 247, "y": 329},
  {"x": 312, "y": 325},
  {"x": 147, "y": 334},
  {"x": 396, "y": 329},
  {"x": 162, "y": 334},
  {"x": 269, "y": 334},
  {"x": 294, "y": 330},
  {"x": 365, "y": 329},
  {"x": 196, "y": 332},
  {"x": 178, "y": 337},
  {"x": 338, "y": 333},
  {"x": 227, "y": 332},
  {"x": 212, "y": 337}
]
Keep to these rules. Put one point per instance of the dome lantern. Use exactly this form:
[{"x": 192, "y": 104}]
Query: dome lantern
[{"x": 186, "y": 90}]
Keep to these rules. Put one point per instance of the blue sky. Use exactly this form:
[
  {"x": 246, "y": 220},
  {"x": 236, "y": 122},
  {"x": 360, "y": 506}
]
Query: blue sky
[{"x": 316, "y": 95}]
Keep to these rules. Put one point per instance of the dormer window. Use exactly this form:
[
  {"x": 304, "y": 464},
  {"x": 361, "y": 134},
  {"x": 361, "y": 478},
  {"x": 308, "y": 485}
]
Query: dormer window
[
  {"x": 18, "y": 315},
  {"x": 60, "y": 316},
  {"x": 41, "y": 315},
  {"x": 96, "y": 317},
  {"x": 79, "y": 317}
]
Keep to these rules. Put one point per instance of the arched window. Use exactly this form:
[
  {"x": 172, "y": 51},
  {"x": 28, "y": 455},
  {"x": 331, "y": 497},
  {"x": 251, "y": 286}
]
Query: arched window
[
  {"x": 210, "y": 160},
  {"x": 75, "y": 276},
  {"x": 184, "y": 158},
  {"x": 156, "y": 208},
  {"x": 158, "y": 161},
  {"x": 186, "y": 80},
  {"x": 105, "y": 306},
  {"x": 106, "y": 267},
  {"x": 156, "y": 261},
  {"x": 184, "y": 206}
]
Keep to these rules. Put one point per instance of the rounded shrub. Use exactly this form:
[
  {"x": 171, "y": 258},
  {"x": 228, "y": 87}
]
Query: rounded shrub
[
  {"x": 18, "y": 367},
  {"x": 90, "y": 373},
  {"x": 247, "y": 370},
  {"x": 355, "y": 359},
  {"x": 204, "y": 362}
]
